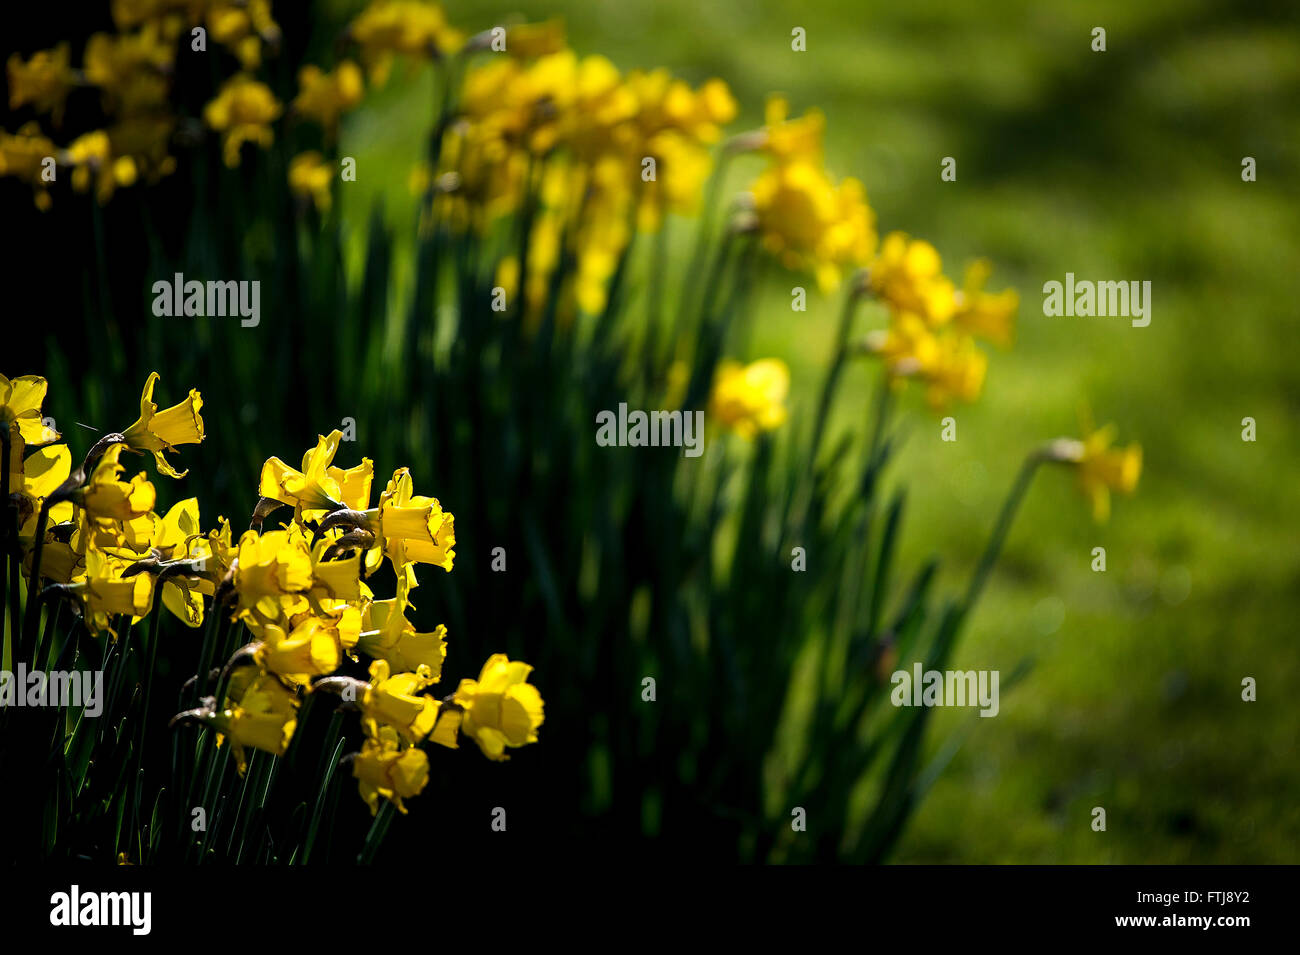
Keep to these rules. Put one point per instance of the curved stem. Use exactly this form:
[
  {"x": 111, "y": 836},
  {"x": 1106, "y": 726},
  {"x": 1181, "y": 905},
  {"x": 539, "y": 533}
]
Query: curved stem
[{"x": 994, "y": 547}]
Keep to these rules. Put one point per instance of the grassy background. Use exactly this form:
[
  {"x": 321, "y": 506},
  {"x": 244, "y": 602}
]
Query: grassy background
[{"x": 1117, "y": 165}]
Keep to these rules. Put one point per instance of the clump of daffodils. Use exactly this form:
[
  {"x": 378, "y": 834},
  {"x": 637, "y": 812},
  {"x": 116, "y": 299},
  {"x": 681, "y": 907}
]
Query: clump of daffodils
[
  {"x": 96, "y": 537},
  {"x": 130, "y": 69}
]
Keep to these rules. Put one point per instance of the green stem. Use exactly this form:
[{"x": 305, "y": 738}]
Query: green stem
[
  {"x": 712, "y": 197},
  {"x": 31, "y": 622},
  {"x": 999, "y": 535},
  {"x": 378, "y": 829},
  {"x": 142, "y": 733},
  {"x": 833, "y": 375}
]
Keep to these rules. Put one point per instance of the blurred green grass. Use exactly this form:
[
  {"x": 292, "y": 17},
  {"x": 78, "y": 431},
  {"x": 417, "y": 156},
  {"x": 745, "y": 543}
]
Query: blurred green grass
[{"x": 1115, "y": 165}]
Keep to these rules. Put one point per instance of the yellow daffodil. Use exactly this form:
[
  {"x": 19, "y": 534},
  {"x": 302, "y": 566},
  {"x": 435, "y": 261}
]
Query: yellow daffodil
[
  {"x": 501, "y": 709},
  {"x": 749, "y": 399},
  {"x": 947, "y": 361},
  {"x": 808, "y": 222},
  {"x": 388, "y": 635},
  {"x": 158, "y": 431},
  {"x": 787, "y": 140},
  {"x": 310, "y": 179},
  {"x": 20, "y": 409},
  {"x": 260, "y": 713},
  {"x": 270, "y": 566},
  {"x": 34, "y": 477},
  {"x": 412, "y": 527},
  {"x": 92, "y": 159},
  {"x": 324, "y": 97},
  {"x": 131, "y": 68},
  {"x": 985, "y": 314},
  {"x": 384, "y": 768},
  {"x": 106, "y": 497},
  {"x": 394, "y": 699},
  {"x": 44, "y": 81},
  {"x": 316, "y": 487},
  {"x": 105, "y": 593},
  {"x": 408, "y": 27},
  {"x": 908, "y": 275},
  {"x": 27, "y": 155},
  {"x": 1100, "y": 467},
  {"x": 242, "y": 26},
  {"x": 311, "y": 649},
  {"x": 339, "y": 577},
  {"x": 242, "y": 112}
]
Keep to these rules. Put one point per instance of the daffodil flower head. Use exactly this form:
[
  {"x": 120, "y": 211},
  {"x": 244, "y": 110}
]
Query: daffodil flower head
[
  {"x": 309, "y": 650},
  {"x": 314, "y": 489},
  {"x": 242, "y": 112},
  {"x": 158, "y": 431},
  {"x": 394, "y": 699},
  {"x": 20, "y": 407},
  {"x": 388, "y": 635},
  {"x": 44, "y": 81},
  {"x": 34, "y": 477},
  {"x": 988, "y": 315},
  {"x": 750, "y": 399},
  {"x": 385, "y": 768},
  {"x": 324, "y": 97},
  {"x": 1101, "y": 468},
  {"x": 809, "y": 222},
  {"x": 105, "y": 593},
  {"x": 260, "y": 713},
  {"x": 105, "y": 496},
  {"x": 908, "y": 275},
  {"x": 270, "y": 566},
  {"x": 786, "y": 139},
  {"x": 414, "y": 527},
  {"x": 501, "y": 709}
]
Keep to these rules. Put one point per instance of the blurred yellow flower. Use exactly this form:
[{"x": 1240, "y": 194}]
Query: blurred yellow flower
[
  {"x": 810, "y": 223},
  {"x": 908, "y": 275},
  {"x": 242, "y": 26},
  {"x": 324, "y": 97},
  {"x": 947, "y": 362},
  {"x": 131, "y": 68},
  {"x": 91, "y": 156},
  {"x": 44, "y": 81},
  {"x": 310, "y": 178},
  {"x": 749, "y": 399},
  {"x": 408, "y": 27},
  {"x": 1100, "y": 467},
  {"x": 985, "y": 314},
  {"x": 242, "y": 112},
  {"x": 25, "y": 156},
  {"x": 787, "y": 140}
]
